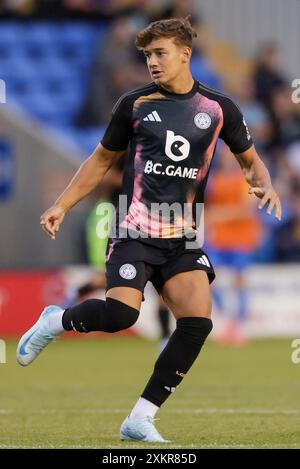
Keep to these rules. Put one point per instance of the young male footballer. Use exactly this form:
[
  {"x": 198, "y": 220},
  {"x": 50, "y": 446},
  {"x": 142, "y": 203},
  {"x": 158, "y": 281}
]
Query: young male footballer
[{"x": 171, "y": 127}]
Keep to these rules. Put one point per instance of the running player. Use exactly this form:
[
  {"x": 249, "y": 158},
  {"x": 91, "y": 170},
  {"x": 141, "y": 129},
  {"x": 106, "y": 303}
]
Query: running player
[{"x": 172, "y": 126}]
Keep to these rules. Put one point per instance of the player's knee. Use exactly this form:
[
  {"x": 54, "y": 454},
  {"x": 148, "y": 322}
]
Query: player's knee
[
  {"x": 119, "y": 316},
  {"x": 195, "y": 329}
]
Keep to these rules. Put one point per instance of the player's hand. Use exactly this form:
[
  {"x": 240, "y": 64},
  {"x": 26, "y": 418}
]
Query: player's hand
[
  {"x": 52, "y": 219},
  {"x": 269, "y": 197}
]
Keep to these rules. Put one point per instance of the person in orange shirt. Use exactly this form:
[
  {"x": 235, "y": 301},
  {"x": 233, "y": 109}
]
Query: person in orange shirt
[{"x": 233, "y": 233}]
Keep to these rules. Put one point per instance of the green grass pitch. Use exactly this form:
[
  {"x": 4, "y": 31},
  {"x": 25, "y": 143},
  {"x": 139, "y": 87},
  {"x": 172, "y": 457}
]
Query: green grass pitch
[{"x": 78, "y": 392}]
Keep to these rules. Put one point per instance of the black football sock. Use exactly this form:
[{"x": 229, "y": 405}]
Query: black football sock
[
  {"x": 164, "y": 320},
  {"x": 98, "y": 315},
  {"x": 176, "y": 359}
]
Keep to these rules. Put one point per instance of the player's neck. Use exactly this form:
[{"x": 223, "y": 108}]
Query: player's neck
[{"x": 182, "y": 85}]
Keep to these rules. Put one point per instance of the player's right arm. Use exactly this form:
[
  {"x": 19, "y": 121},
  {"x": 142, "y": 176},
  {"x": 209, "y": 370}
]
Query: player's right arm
[
  {"x": 114, "y": 143},
  {"x": 88, "y": 176}
]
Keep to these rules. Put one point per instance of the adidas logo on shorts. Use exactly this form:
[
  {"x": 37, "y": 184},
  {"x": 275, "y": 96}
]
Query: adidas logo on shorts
[{"x": 204, "y": 261}]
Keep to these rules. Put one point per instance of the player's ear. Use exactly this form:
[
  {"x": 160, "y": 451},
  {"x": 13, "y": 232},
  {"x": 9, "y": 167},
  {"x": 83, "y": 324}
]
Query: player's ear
[{"x": 186, "y": 54}]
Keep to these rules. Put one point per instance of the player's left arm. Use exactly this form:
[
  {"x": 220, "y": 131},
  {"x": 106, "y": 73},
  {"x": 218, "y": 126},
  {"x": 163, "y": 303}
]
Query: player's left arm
[{"x": 259, "y": 179}]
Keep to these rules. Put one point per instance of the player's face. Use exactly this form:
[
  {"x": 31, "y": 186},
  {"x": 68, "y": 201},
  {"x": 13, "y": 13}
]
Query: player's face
[{"x": 165, "y": 60}]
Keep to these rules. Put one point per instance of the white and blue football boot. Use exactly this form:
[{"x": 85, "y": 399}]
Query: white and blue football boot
[
  {"x": 140, "y": 429},
  {"x": 37, "y": 337}
]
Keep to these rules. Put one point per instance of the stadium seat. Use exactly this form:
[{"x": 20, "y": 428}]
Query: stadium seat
[{"x": 46, "y": 68}]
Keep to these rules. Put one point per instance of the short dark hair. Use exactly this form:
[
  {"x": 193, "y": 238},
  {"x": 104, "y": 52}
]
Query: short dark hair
[{"x": 180, "y": 29}]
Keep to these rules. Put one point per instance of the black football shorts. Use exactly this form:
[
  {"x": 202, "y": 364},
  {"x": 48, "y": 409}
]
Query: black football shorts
[{"x": 132, "y": 263}]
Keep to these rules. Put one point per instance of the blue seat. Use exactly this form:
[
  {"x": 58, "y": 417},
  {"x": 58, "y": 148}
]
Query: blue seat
[
  {"x": 88, "y": 138},
  {"x": 46, "y": 67},
  {"x": 10, "y": 34},
  {"x": 15, "y": 65},
  {"x": 77, "y": 32},
  {"x": 39, "y": 33}
]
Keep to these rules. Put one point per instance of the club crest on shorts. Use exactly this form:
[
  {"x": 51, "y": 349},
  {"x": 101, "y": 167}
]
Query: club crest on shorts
[
  {"x": 202, "y": 120},
  {"x": 127, "y": 271}
]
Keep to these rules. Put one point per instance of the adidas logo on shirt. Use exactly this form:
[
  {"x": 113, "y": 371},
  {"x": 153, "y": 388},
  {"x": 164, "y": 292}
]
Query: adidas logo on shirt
[
  {"x": 153, "y": 116},
  {"x": 203, "y": 260}
]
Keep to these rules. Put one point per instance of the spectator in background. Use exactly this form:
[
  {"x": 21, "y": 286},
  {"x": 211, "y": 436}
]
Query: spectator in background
[
  {"x": 143, "y": 12},
  {"x": 80, "y": 9},
  {"x": 201, "y": 69},
  {"x": 293, "y": 160},
  {"x": 96, "y": 246},
  {"x": 18, "y": 7},
  {"x": 119, "y": 67},
  {"x": 232, "y": 234},
  {"x": 286, "y": 119},
  {"x": 255, "y": 114},
  {"x": 116, "y": 69},
  {"x": 90, "y": 6},
  {"x": 181, "y": 9},
  {"x": 267, "y": 74},
  {"x": 287, "y": 236}
]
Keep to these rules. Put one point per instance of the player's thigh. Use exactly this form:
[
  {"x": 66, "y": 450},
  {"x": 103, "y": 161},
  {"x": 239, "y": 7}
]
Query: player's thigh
[
  {"x": 188, "y": 294},
  {"x": 126, "y": 281},
  {"x": 130, "y": 296}
]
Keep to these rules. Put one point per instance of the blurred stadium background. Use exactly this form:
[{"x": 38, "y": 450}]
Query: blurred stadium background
[{"x": 63, "y": 64}]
